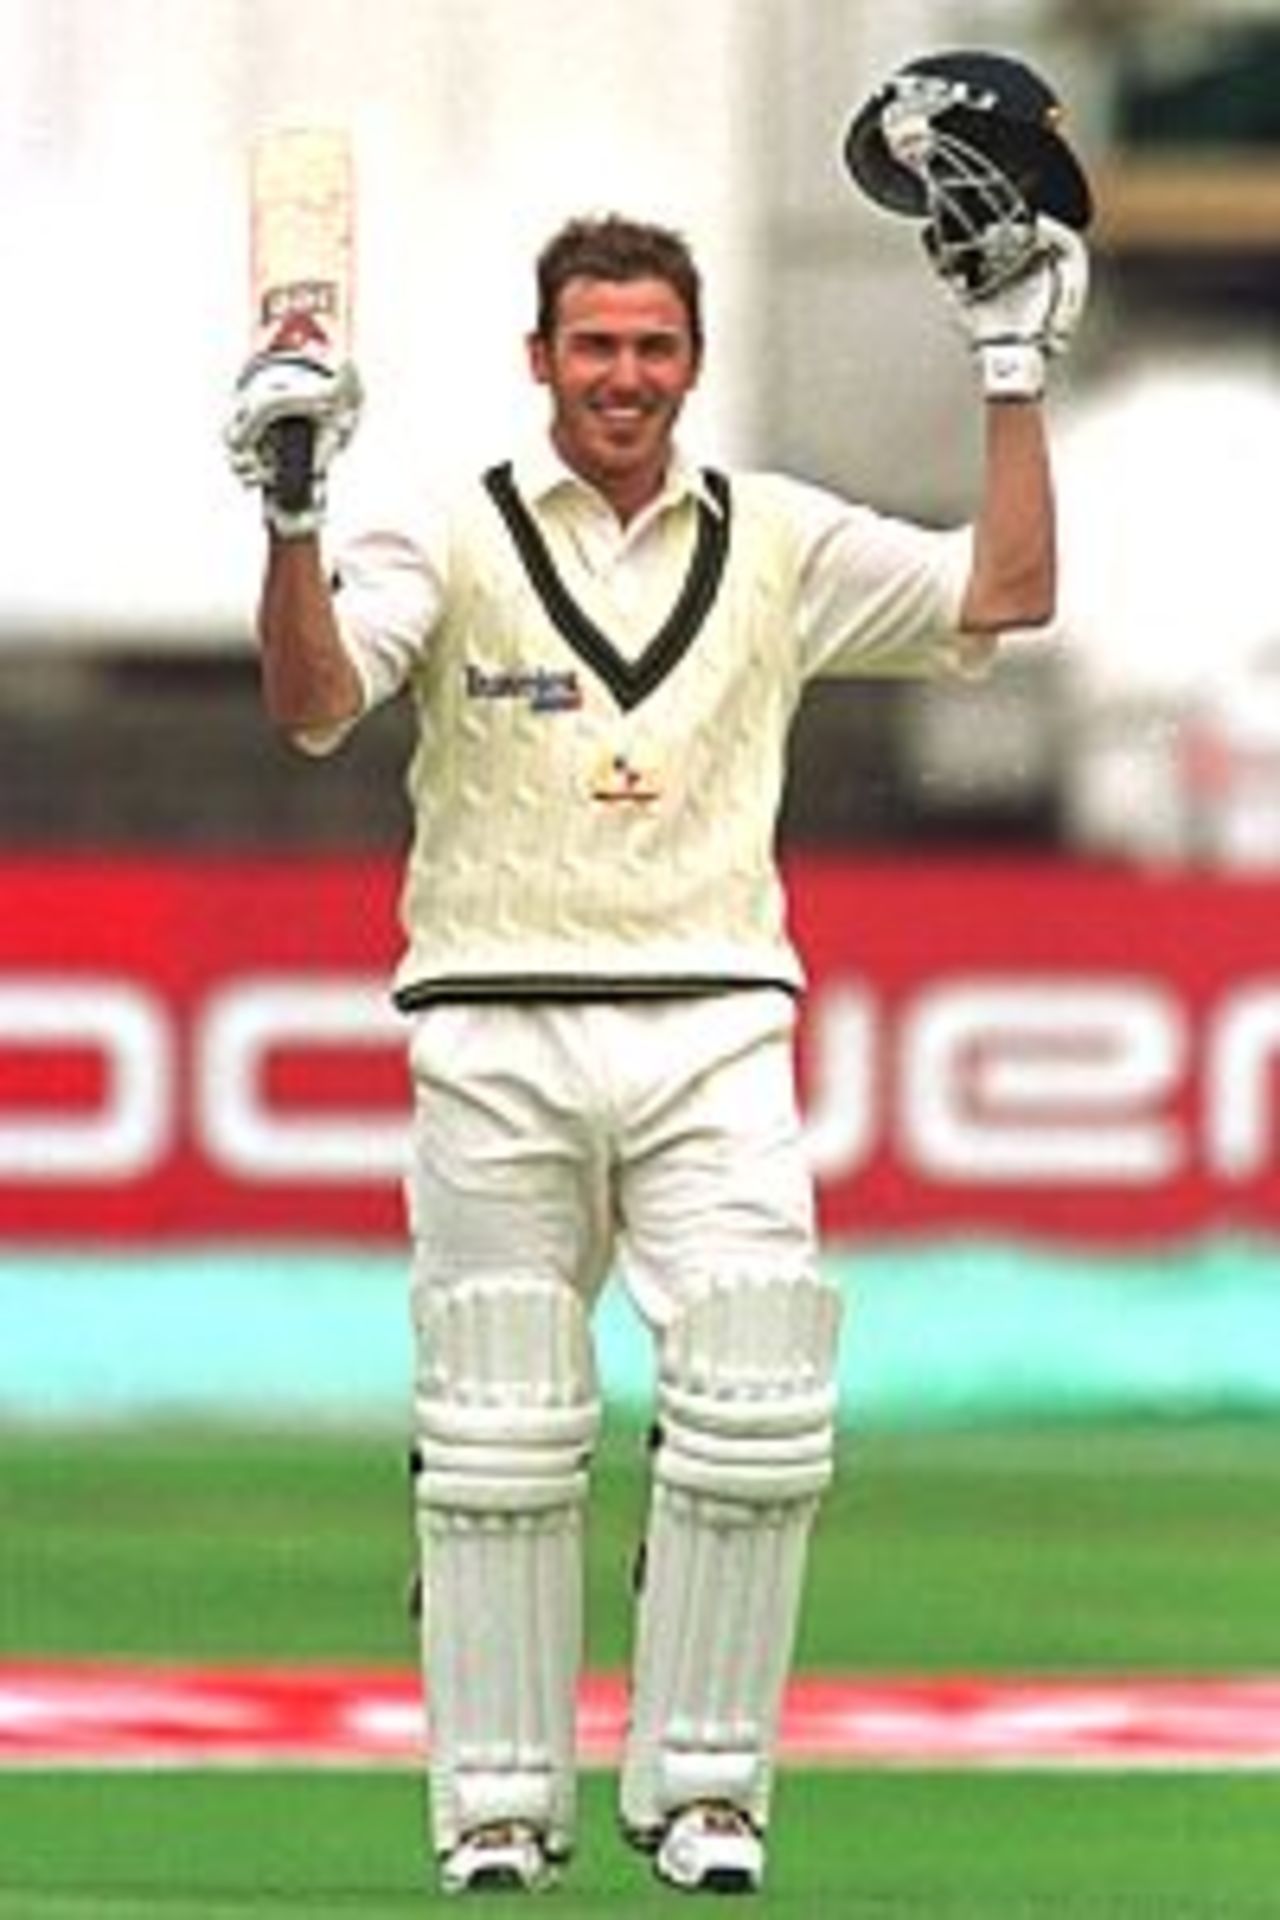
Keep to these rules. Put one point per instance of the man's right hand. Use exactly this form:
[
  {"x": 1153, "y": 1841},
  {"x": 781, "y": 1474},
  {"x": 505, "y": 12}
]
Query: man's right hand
[{"x": 274, "y": 392}]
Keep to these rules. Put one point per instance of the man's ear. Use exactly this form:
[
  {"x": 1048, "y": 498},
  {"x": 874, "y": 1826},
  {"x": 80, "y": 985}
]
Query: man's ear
[{"x": 539, "y": 358}]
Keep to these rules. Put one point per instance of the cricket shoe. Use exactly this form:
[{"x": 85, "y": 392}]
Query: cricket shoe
[
  {"x": 507, "y": 1856},
  {"x": 711, "y": 1847}
]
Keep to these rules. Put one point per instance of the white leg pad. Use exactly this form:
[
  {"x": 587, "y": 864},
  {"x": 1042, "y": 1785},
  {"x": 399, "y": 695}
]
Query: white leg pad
[
  {"x": 747, "y": 1417},
  {"x": 506, "y": 1415}
]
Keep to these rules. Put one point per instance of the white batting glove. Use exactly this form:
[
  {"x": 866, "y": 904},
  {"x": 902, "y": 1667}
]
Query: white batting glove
[
  {"x": 290, "y": 415},
  {"x": 1028, "y": 319}
]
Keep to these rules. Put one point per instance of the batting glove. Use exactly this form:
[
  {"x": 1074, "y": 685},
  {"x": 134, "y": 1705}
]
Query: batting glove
[
  {"x": 289, "y": 417},
  {"x": 1020, "y": 323}
]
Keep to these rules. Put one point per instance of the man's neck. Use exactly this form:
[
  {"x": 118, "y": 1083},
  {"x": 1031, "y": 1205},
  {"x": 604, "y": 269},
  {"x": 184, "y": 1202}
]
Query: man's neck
[{"x": 628, "y": 493}]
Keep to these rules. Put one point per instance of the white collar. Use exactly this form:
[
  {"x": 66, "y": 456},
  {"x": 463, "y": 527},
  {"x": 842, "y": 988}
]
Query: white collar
[{"x": 540, "y": 472}]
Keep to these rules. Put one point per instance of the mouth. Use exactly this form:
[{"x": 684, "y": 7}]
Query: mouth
[
  {"x": 624, "y": 423},
  {"x": 624, "y": 413}
]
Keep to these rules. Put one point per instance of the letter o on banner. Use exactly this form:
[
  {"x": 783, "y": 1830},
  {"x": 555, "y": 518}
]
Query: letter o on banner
[{"x": 126, "y": 1132}]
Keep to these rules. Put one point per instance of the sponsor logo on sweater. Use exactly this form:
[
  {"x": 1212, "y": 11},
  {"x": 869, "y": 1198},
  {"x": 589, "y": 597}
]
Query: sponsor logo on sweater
[{"x": 541, "y": 689}]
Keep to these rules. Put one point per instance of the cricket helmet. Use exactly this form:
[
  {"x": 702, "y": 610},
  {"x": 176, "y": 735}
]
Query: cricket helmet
[{"x": 969, "y": 143}]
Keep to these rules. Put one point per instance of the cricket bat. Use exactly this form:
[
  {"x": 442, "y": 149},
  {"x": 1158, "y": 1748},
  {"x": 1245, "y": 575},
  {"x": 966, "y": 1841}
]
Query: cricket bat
[{"x": 301, "y": 244}]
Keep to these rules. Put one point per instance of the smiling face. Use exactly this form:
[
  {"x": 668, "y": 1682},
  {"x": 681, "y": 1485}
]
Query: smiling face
[{"x": 619, "y": 362}]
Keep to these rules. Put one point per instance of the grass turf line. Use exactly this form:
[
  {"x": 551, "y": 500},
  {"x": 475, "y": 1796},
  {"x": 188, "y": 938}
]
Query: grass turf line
[
  {"x": 974, "y": 1847},
  {"x": 1058, "y": 1551}
]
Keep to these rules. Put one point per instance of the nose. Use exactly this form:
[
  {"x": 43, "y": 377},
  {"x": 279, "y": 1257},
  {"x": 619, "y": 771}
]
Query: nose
[{"x": 625, "y": 370}]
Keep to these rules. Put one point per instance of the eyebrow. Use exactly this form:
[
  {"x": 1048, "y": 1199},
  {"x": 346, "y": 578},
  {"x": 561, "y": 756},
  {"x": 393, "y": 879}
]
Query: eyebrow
[{"x": 606, "y": 330}]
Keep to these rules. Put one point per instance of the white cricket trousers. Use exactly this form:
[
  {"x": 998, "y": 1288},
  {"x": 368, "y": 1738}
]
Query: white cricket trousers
[{"x": 562, "y": 1139}]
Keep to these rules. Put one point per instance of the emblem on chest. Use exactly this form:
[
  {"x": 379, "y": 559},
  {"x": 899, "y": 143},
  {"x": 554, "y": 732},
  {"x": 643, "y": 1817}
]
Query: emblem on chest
[{"x": 622, "y": 777}]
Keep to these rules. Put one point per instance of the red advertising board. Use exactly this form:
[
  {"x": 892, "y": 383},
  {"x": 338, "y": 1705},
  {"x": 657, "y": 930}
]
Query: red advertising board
[
  {"x": 1055, "y": 1050},
  {"x": 206, "y": 1048}
]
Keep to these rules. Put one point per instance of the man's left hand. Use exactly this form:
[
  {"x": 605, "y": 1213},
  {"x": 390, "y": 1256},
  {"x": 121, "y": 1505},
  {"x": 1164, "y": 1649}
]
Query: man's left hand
[{"x": 1026, "y": 320}]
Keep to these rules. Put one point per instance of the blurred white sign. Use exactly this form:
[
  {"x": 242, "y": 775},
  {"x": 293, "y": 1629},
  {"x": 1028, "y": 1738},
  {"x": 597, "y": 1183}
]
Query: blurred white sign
[{"x": 479, "y": 125}]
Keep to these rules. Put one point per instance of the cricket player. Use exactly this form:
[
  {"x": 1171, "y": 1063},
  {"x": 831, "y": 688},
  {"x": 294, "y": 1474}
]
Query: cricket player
[{"x": 605, "y": 644}]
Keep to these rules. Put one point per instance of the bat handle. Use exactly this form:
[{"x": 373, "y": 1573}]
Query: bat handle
[{"x": 293, "y": 458}]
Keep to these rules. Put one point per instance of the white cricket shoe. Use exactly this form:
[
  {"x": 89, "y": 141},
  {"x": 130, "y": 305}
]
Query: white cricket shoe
[
  {"x": 711, "y": 1847},
  {"x": 507, "y": 1856}
]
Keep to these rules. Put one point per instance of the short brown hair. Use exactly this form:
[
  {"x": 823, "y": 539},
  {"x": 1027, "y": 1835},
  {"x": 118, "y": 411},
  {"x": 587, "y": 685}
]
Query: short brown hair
[{"x": 609, "y": 247}]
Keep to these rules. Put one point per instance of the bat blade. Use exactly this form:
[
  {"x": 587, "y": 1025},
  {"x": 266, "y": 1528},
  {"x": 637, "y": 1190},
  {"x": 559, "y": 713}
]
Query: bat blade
[
  {"x": 302, "y": 229},
  {"x": 301, "y": 241}
]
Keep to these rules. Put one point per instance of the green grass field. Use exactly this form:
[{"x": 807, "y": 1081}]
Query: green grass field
[{"x": 1144, "y": 1549}]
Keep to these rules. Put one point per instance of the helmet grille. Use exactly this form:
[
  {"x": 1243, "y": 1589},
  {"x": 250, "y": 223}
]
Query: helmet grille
[{"x": 981, "y": 229}]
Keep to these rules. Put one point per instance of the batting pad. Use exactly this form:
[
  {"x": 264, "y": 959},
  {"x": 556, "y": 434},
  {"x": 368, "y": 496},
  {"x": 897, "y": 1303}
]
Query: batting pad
[
  {"x": 506, "y": 1415},
  {"x": 747, "y": 1411}
]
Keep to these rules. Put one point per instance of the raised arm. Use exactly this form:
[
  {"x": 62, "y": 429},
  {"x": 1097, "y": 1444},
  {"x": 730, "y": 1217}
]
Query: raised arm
[
  {"x": 309, "y": 686},
  {"x": 1013, "y": 577},
  {"x": 310, "y": 689},
  {"x": 971, "y": 142},
  {"x": 1014, "y": 331}
]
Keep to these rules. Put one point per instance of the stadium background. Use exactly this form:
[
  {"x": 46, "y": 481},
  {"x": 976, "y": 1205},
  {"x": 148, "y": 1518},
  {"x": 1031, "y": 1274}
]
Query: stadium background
[{"x": 1038, "y": 1048}]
